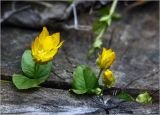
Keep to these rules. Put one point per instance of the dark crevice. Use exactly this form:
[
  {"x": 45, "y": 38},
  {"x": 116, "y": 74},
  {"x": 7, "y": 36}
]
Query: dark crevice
[{"x": 67, "y": 85}]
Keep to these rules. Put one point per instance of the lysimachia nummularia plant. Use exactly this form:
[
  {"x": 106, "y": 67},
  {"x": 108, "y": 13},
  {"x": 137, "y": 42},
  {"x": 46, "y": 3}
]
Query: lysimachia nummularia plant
[
  {"x": 144, "y": 98},
  {"x": 101, "y": 25},
  {"x": 36, "y": 63},
  {"x": 85, "y": 79}
]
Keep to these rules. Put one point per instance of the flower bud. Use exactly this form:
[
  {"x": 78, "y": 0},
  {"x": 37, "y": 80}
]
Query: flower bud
[{"x": 108, "y": 78}]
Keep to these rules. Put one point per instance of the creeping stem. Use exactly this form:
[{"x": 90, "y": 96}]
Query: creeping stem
[
  {"x": 113, "y": 7},
  {"x": 114, "y": 4}
]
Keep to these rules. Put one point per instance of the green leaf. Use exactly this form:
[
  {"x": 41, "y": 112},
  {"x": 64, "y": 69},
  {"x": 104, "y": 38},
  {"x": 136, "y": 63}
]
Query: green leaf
[
  {"x": 78, "y": 79},
  {"x": 32, "y": 69},
  {"x": 105, "y": 18},
  {"x": 91, "y": 81},
  {"x": 116, "y": 16},
  {"x": 108, "y": 18},
  {"x": 125, "y": 96},
  {"x": 84, "y": 80},
  {"x": 23, "y": 82},
  {"x": 99, "y": 26},
  {"x": 144, "y": 98},
  {"x": 97, "y": 43},
  {"x": 97, "y": 91},
  {"x": 109, "y": 21},
  {"x": 79, "y": 91}
]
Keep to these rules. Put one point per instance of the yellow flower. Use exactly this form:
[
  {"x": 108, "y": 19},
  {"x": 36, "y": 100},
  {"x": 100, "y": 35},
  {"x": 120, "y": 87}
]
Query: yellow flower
[
  {"x": 45, "y": 46},
  {"x": 106, "y": 59},
  {"x": 108, "y": 78}
]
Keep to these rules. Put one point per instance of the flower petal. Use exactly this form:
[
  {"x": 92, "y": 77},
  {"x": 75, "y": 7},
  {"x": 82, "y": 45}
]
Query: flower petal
[
  {"x": 48, "y": 43},
  {"x": 44, "y": 33},
  {"x": 60, "y": 44},
  {"x": 49, "y": 55},
  {"x": 56, "y": 38},
  {"x": 106, "y": 58},
  {"x": 45, "y": 47}
]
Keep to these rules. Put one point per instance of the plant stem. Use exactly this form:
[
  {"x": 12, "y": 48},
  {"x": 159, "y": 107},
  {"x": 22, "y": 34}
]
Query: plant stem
[
  {"x": 100, "y": 72},
  {"x": 113, "y": 7},
  {"x": 101, "y": 33},
  {"x": 36, "y": 67}
]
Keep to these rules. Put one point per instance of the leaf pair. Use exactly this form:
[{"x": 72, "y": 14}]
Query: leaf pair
[
  {"x": 34, "y": 73},
  {"x": 100, "y": 26},
  {"x": 85, "y": 81},
  {"x": 141, "y": 98}
]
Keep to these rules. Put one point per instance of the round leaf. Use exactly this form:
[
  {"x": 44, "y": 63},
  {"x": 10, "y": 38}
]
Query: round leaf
[
  {"x": 23, "y": 82},
  {"x": 79, "y": 91},
  {"x": 32, "y": 69},
  {"x": 84, "y": 80}
]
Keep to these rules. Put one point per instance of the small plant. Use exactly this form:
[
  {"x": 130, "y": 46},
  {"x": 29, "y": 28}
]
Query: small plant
[
  {"x": 101, "y": 25},
  {"x": 144, "y": 98},
  {"x": 86, "y": 81},
  {"x": 141, "y": 98},
  {"x": 36, "y": 63}
]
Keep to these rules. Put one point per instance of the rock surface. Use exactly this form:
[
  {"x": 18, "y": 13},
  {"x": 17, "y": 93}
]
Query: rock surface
[{"x": 49, "y": 101}]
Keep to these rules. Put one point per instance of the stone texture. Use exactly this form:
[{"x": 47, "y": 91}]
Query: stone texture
[
  {"x": 57, "y": 101},
  {"x": 138, "y": 47}
]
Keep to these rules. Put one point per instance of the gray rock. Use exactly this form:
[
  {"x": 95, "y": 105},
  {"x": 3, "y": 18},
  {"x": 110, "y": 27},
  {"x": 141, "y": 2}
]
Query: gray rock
[{"x": 57, "y": 101}]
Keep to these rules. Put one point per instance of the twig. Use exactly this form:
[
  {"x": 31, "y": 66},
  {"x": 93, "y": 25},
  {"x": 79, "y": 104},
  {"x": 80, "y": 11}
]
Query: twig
[
  {"x": 79, "y": 27},
  {"x": 75, "y": 16},
  {"x": 73, "y": 7},
  {"x": 135, "y": 4}
]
